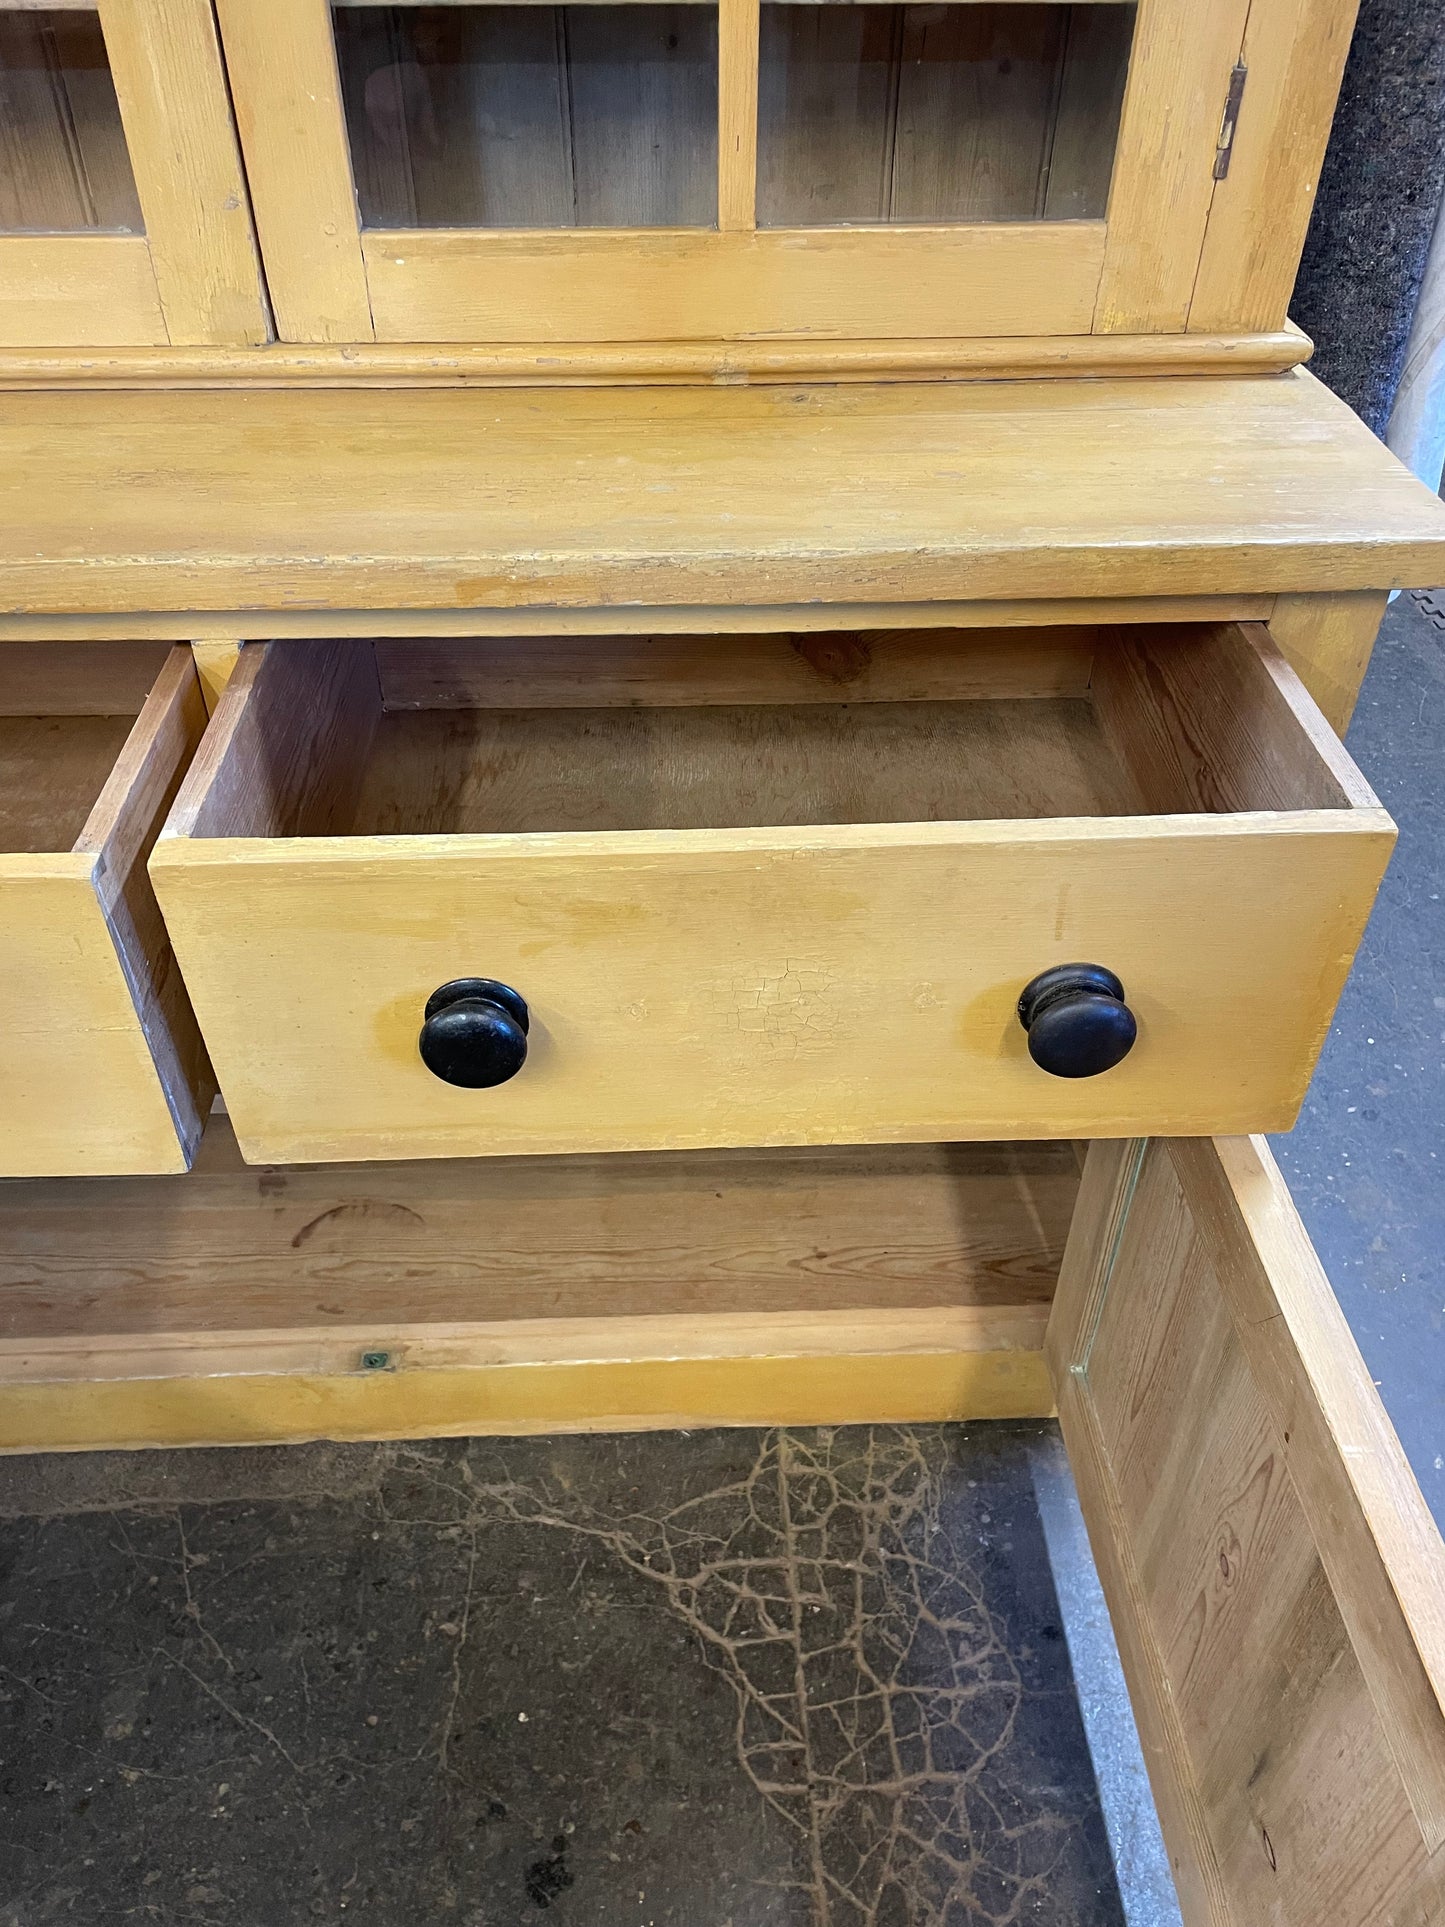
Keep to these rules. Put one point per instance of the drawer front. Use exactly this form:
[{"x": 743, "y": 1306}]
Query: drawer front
[
  {"x": 734, "y": 988},
  {"x": 101, "y": 1063}
]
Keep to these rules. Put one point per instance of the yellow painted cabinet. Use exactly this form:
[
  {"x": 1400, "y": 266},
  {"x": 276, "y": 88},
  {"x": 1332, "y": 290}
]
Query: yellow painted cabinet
[
  {"x": 101, "y": 1065},
  {"x": 775, "y": 890},
  {"x": 124, "y": 219},
  {"x": 694, "y": 172}
]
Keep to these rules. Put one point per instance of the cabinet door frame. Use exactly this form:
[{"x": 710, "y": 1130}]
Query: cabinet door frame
[
  {"x": 193, "y": 276},
  {"x": 1276, "y": 1581},
  {"x": 1134, "y": 271}
]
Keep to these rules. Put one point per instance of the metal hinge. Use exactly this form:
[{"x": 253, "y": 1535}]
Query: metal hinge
[{"x": 1224, "y": 152}]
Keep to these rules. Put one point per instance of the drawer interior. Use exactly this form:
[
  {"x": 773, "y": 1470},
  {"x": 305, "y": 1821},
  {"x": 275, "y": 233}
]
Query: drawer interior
[
  {"x": 696, "y": 733},
  {"x": 66, "y": 710}
]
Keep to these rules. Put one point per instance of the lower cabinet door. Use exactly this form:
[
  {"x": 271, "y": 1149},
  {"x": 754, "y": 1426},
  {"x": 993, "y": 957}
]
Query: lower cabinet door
[
  {"x": 102, "y": 1070},
  {"x": 1275, "y": 1579}
]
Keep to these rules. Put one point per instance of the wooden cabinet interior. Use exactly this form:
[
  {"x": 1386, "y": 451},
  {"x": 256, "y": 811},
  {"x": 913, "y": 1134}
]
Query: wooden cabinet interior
[
  {"x": 607, "y": 116},
  {"x": 531, "y": 116},
  {"x": 680, "y": 733},
  {"x": 100, "y": 1059},
  {"x": 64, "y": 166},
  {"x": 65, "y": 715},
  {"x": 938, "y": 113},
  {"x": 907, "y": 1282}
]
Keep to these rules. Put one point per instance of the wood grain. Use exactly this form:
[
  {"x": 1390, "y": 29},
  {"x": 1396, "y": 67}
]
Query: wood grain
[
  {"x": 853, "y": 666},
  {"x": 1374, "y": 1534},
  {"x": 281, "y": 65},
  {"x": 737, "y": 182},
  {"x": 101, "y": 1061},
  {"x": 695, "y": 980},
  {"x": 569, "y": 1292},
  {"x": 1163, "y": 182},
  {"x": 936, "y": 1385},
  {"x": 1261, "y": 1544},
  {"x": 166, "y": 61},
  {"x": 409, "y": 365},
  {"x": 215, "y": 664},
  {"x": 531, "y": 117},
  {"x": 85, "y": 679},
  {"x": 60, "y": 291},
  {"x": 1206, "y": 719},
  {"x": 646, "y": 284},
  {"x": 63, "y": 159},
  {"x": 1091, "y": 101},
  {"x": 1295, "y": 52},
  {"x": 716, "y": 619},
  {"x": 1329, "y": 639},
  {"x": 54, "y": 769},
  {"x": 918, "y": 114},
  {"x": 120, "y": 832},
  {"x": 911, "y": 493}
]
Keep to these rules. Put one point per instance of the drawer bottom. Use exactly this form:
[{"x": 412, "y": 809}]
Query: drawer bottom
[{"x": 529, "y": 1295}]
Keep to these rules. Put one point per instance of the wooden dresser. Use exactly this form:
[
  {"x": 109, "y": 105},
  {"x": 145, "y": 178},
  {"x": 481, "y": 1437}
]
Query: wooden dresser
[{"x": 698, "y": 654}]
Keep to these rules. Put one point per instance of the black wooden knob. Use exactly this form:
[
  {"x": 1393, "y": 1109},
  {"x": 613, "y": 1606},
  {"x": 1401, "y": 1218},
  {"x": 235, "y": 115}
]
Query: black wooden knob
[
  {"x": 475, "y": 1033},
  {"x": 1077, "y": 1020}
]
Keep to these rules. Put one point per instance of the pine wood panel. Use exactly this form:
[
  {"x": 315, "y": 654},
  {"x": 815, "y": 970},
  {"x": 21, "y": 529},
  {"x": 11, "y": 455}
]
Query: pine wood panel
[
  {"x": 78, "y": 291},
  {"x": 63, "y": 159},
  {"x": 533, "y": 116},
  {"x": 1273, "y": 1574},
  {"x": 410, "y": 365},
  {"x": 899, "y": 494},
  {"x": 645, "y": 284},
  {"x": 1329, "y": 639},
  {"x": 102, "y": 1063},
  {"x": 1295, "y": 52},
  {"x": 86, "y": 679},
  {"x": 821, "y": 1286},
  {"x": 739, "y": 26},
  {"x": 281, "y": 63},
  {"x": 166, "y": 61},
  {"x": 1163, "y": 183},
  {"x": 1090, "y": 107},
  {"x": 698, "y": 980},
  {"x": 930, "y": 114},
  {"x": 709, "y": 620},
  {"x": 881, "y": 665}
]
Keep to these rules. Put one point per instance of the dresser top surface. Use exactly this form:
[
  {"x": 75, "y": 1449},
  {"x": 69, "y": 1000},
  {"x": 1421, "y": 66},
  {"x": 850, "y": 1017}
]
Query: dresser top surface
[{"x": 587, "y": 497}]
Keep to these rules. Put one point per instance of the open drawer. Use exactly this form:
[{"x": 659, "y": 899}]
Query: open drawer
[
  {"x": 101, "y": 1064},
  {"x": 1275, "y": 1580},
  {"x": 763, "y": 890}
]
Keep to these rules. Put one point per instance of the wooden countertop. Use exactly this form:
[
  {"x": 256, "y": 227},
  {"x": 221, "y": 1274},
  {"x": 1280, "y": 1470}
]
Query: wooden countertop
[{"x": 500, "y": 498}]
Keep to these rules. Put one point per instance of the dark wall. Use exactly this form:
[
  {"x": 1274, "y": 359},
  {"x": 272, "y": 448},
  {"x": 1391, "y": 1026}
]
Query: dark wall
[{"x": 1380, "y": 190}]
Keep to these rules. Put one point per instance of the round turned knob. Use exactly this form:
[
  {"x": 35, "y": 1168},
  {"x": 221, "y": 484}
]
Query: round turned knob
[
  {"x": 1077, "y": 1021},
  {"x": 475, "y": 1033}
]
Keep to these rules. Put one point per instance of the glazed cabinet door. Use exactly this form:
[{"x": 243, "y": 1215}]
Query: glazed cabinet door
[
  {"x": 1276, "y": 1582},
  {"x": 124, "y": 220},
  {"x": 724, "y": 170}
]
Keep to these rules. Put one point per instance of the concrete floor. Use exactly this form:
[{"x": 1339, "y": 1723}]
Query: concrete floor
[{"x": 823, "y": 1679}]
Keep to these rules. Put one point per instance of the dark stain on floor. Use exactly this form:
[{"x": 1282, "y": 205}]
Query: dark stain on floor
[{"x": 801, "y": 1679}]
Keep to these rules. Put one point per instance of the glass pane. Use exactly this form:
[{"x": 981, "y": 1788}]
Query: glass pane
[
  {"x": 63, "y": 161},
  {"x": 587, "y": 116},
  {"x": 939, "y": 113}
]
